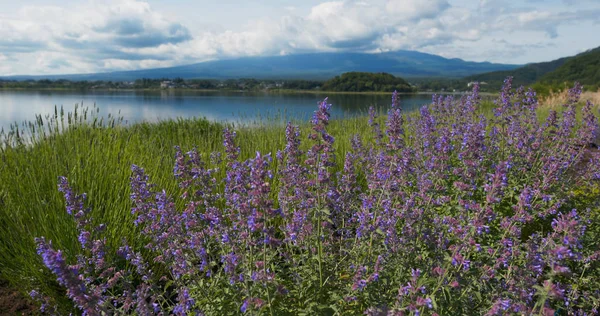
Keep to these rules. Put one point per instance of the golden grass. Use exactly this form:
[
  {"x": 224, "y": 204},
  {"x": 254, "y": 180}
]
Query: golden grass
[{"x": 560, "y": 98}]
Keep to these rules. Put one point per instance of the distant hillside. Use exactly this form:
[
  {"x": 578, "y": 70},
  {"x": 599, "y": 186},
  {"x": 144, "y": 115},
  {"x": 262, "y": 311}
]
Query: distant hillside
[
  {"x": 584, "y": 68},
  {"x": 315, "y": 66},
  {"x": 365, "y": 81},
  {"x": 525, "y": 75}
]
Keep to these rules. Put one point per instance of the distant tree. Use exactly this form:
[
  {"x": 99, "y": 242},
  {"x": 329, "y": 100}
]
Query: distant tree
[{"x": 366, "y": 81}]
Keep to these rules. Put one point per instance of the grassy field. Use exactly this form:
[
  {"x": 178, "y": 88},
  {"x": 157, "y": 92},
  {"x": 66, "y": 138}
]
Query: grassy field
[{"x": 96, "y": 157}]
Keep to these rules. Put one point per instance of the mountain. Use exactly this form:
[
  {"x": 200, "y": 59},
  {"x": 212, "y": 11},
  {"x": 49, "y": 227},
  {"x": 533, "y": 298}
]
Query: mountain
[
  {"x": 584, "y": 68},
  {"x": 303, "y": 66}
]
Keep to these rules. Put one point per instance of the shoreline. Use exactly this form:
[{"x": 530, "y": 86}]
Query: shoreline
[{"x": 271, "y": 91}]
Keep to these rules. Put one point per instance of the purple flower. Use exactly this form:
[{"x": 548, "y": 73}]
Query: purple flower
[
  {"x": 231, "y": 149},
  {"x": 184, "y": 302},
  {"x": 67, "y": 276},
  {"x": 457, "y": 208}
]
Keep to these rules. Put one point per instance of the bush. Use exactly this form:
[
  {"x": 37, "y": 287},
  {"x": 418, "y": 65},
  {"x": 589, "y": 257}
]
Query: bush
[{"x": 446, "y": 212}]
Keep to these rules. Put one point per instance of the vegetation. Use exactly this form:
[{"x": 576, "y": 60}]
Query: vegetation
[
  {"x": 441, "y": 84},
  {"x": 96, "y": 157},
  {"x": 525, "y": 75},
  {"x": 365, "y": 81},
  {"x": 584, "y": 68},
  {"x": 499, "y": 210},
  {"x": 48, "y": 84},
  {"x": 348, "y": 82},
  {"x": 552, "y": 76},
  {"x": 555, "y": 100},
  {"x": 246, "y": 84}
]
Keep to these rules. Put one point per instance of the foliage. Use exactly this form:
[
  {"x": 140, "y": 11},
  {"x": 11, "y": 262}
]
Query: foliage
[
  {"x": 444, "y": 212},
  {"x": 584, "y": 68},
  {"x": 550, "y": 76},
  {"x": 440, "y": 84},
  {"x": 96, "y": 156},
  {"x": 525, "y": 75},
  {"x": 365, "y": 81},
  {"x": 47, "y": 84},
  {"x": 247, "y": 84},
  {"x": 301, "y": 84}
]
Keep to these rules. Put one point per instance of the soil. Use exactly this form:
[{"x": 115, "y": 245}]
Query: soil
[{"x": 13, "y": 302}]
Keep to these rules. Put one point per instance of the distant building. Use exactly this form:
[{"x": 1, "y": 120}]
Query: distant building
[
  {"x": 474, "y": 82},
  {"x": 167, "y": 85}
]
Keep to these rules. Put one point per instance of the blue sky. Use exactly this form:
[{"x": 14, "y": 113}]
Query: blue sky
[{"x": 59, "y": 37}]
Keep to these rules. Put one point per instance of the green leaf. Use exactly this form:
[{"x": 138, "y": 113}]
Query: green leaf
[{"x": 433, "y": 302}]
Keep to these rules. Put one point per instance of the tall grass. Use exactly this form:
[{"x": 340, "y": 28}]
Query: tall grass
[
  {"x": 96, "y": 156},
  {"x": 556, "y": 99}
]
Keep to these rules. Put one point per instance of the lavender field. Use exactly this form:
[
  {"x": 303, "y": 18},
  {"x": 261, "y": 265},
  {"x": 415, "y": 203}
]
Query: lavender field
[
  {"x": 454, "y": 209},
  {"x": 322, "y": 157}
]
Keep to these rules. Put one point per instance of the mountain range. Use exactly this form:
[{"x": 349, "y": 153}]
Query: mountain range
[{"x": 314, "y": 66}]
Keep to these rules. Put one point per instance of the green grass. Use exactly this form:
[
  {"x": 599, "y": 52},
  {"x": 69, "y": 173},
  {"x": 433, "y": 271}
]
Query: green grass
[{"x": 96, "y": 156}]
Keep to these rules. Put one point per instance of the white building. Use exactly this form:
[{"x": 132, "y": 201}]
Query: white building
[{"x": 167, "y": 85}]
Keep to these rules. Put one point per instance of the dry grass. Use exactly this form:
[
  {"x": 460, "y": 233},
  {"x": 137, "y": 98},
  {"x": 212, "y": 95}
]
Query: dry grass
[{"x": 560, "y": 98}]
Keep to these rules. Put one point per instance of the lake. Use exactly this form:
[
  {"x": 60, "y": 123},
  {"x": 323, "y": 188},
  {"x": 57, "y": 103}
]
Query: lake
[{"x": 136, "y": 106}]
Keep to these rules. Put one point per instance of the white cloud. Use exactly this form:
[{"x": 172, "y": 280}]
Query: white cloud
[
  {"x": 416, "y": 9},
  {"x": 53, "y": 39},
  {"x": 104, "y": 35}
]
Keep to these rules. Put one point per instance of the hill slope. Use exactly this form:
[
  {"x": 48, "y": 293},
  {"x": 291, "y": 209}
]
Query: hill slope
[
  {"x": 584, "y": 68},
  {"x": 525, "y": 75},
  {"x": 304, "y": 66}
]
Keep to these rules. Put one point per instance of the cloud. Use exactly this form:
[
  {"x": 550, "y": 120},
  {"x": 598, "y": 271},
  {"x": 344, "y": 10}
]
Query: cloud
[
  {"x": 416, "y": 9},
  {"x": 19, "y": 36},
  {"x": 342, "y": 25},
  {"x": 95, "y": 34},
  {"x": 330, "y": 26},
  {"x": 544, "y": 21},
  {"x": 133, "y": 31},
  {"x": 494, "y": 49},
  {"x": 107, "y": 35},
  {"x": 428, "y": 25}
]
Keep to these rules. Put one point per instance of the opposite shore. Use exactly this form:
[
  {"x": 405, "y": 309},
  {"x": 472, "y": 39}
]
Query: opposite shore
[{"x": 270, "y": 91}]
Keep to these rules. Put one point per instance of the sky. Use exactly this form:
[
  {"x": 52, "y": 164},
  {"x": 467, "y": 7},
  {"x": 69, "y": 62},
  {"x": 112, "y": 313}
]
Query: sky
[{"x": 65, "y": 37}]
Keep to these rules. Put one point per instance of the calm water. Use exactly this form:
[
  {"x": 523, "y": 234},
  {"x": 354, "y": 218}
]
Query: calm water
[{"x": 135, "y": 106}]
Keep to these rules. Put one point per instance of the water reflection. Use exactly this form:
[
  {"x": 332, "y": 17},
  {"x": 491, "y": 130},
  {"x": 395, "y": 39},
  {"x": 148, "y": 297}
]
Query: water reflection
[{"x": 135, "y": 106}]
